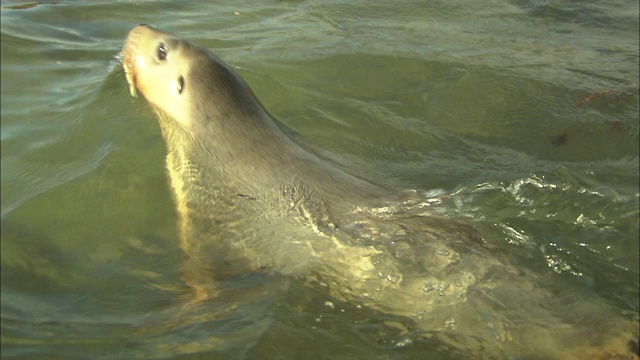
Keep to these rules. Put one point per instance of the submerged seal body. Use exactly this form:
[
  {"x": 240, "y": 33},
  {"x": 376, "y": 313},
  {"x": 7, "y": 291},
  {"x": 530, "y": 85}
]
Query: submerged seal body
[{"x": 251, "y": 198}]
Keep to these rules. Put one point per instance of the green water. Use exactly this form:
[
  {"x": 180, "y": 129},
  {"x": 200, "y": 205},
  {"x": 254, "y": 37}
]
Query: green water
[{"x": 473, "y": 100}]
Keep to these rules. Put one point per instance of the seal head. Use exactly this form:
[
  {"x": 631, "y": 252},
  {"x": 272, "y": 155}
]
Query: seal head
[{"x": 180, "y": 78}]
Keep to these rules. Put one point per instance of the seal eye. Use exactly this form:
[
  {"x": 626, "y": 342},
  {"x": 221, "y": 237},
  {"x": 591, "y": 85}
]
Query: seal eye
[
  {"x": 162, "y": 52},
  {"x": 180, "y": 84}
]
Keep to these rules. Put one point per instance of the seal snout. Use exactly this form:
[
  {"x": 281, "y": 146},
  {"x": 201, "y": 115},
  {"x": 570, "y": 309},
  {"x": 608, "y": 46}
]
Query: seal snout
[
  {"x": 133, "y": 47},
  {"x": 129, "y": 53}
]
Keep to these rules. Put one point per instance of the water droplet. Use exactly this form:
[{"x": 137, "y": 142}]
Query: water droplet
[
  {"x": 442, "y": 288},
  {"x": 404, "y": 342},
  {"x": 450, "y": 324},
  {"x": 329, "y": 304},
  {"x": 393, "y": 278}
]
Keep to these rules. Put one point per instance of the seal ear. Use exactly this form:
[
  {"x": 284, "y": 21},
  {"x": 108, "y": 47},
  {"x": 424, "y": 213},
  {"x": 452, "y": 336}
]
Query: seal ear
[{"x": 180, "y": 84}]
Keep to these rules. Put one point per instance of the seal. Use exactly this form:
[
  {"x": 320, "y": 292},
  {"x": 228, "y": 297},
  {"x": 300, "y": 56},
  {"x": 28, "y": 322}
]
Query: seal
[{"x": 251, "y": 198}]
